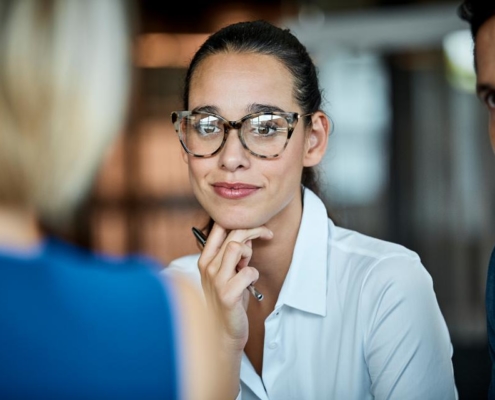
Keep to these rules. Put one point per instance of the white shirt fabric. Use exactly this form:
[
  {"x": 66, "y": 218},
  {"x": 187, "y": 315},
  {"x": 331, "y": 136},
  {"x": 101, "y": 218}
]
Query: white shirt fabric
[{"x": 357, "y": 318}]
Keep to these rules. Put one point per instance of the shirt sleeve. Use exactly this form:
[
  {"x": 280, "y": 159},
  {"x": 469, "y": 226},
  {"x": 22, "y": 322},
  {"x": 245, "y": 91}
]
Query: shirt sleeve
[{"x": 407, "y": 344}]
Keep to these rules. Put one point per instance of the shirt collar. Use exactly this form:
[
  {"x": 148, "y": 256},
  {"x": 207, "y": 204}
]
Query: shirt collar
[{"x": 305, "y": 286}]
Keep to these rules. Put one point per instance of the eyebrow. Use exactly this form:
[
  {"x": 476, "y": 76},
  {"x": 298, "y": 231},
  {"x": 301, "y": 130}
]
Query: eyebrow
[
  {"x": 206, "y": 109},
  {"x": 256, "y": 107},
  {"x": 252, "y": 108}
]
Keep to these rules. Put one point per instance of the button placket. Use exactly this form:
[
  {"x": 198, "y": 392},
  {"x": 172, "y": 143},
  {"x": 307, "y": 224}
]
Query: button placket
[
  {"x": 273, "y": 354},
  {"x": 271, "y": 328}
]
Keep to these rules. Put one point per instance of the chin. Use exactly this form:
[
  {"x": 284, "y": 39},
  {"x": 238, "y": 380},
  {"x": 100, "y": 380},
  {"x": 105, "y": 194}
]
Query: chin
[
  {"x": 233, "y": 222},
  {"x": 235, "y": 226}
]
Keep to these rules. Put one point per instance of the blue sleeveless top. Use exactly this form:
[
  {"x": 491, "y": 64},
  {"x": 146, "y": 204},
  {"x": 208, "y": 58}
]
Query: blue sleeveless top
[{"x": 74, "y": 325}]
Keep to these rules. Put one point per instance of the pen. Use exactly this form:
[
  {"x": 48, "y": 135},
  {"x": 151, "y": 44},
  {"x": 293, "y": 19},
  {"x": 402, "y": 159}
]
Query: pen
[{"x": 202, "y": 240}]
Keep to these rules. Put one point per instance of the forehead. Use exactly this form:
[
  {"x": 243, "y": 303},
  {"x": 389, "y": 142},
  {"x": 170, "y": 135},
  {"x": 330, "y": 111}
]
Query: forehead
[
  {"x": 485, "y": 52},
  {"x": 233, "y": 81}
]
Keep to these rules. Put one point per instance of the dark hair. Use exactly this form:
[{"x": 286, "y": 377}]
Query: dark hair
[
  {"x": 264, "y": 38},
  {"x": 476, "y": 12}
]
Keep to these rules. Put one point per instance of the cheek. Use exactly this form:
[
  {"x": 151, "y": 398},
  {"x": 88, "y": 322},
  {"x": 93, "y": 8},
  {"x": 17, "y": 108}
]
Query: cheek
[
  {"x": 199, "y": 169},
  {"x": 194, "y": 170},
  {"x": 294, "y": 159},
  {"x": 287, "y": 174}
]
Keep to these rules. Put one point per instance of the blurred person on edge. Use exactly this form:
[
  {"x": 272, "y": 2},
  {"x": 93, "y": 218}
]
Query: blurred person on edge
[
  {"x": 481, "y": 16},
  {"x": 75, "y": 324}
]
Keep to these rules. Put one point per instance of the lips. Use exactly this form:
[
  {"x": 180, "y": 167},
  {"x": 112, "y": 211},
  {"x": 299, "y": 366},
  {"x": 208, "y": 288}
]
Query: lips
[{"x": 234, "y": 191}]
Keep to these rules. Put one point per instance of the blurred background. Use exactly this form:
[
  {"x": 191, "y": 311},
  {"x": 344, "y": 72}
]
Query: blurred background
[{"x": 409, "y": 159}]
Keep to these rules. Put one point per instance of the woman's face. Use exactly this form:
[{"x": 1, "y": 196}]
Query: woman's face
[{"x": 237, "y": 189}]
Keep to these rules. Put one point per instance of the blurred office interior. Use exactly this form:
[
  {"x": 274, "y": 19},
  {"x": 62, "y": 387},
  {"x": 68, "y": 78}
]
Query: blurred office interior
[{"x": 409, "y": 158}]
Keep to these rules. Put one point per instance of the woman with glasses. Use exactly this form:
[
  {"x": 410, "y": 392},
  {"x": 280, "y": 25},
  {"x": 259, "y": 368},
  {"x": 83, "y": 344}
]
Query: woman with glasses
[{"x": 335, "y": 314}]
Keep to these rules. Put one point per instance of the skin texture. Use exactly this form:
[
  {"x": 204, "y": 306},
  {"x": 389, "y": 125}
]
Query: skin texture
[
  {"x": 485, "y": 60},
  {"x": 254, "y": 236}
]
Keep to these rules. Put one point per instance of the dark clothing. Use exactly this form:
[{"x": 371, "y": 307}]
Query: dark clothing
[{"x": 490, "y": 317}]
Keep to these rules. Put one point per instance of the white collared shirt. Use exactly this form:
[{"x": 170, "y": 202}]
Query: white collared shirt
[{"x": 357, "y": 318}]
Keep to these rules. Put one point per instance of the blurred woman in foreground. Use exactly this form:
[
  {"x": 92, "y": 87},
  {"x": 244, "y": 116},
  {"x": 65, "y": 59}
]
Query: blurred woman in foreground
[{"x": 76, "y": 324}]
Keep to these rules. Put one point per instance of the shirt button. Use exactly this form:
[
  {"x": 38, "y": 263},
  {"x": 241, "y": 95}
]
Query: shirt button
[{"x": 273, "y": 345}]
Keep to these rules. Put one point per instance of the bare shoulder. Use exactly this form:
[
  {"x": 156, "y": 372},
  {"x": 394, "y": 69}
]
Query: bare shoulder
[
  {"x": 188, "y": 295},
  {"x": 199, "y": 343}
]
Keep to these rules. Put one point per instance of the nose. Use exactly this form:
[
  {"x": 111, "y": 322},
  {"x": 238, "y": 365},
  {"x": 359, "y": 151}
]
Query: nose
[{"x": 233, "y": 154}]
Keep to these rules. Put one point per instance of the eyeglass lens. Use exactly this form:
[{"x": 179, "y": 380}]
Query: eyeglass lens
[{"x": 265, "y": 135}]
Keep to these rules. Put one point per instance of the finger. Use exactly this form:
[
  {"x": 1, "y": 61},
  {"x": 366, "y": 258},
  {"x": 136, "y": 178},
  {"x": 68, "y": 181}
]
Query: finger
[
  {"x": 235, "y": 253},
  {"x": 243, "y": 262},
  {"x": 237, "y": 285},
  {"x": 240, "y": 236},
  {"x": 245, "y": 235},
  {"x": 219, "y": 238},
  {"x": 213, "y": 246}
]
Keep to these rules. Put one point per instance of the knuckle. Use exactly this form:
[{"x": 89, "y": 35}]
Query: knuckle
[
  {"x": 210, "y": 270},
  {"x": 234, "y": 246},
  {"x": 202, "y": 264}
]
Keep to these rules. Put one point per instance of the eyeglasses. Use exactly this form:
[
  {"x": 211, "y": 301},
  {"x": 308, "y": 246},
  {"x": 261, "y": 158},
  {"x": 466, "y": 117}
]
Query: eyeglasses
[{"x": 263, "y": 134}]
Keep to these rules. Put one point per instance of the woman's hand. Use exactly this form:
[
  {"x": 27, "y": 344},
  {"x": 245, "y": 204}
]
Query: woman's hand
[{"x": 225, "y": 275}]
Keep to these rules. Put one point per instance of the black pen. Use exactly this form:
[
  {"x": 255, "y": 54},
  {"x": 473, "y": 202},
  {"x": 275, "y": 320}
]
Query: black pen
[{"x": 202, "y": 240}]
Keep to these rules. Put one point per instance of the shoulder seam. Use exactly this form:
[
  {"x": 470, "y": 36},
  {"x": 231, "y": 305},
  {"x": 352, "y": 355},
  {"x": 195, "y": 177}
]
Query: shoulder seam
[{"x": 358, "y": 250}]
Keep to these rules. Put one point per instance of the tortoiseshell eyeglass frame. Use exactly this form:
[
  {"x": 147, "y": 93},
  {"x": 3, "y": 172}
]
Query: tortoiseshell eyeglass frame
[{"x": 291, "y": 117}]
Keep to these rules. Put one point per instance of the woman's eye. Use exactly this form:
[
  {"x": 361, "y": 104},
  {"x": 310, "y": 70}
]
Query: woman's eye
[
  {"x": 266, "y": 129},
  {"x": 207, "y": 129},
  {"x": 490, "y": 100}
]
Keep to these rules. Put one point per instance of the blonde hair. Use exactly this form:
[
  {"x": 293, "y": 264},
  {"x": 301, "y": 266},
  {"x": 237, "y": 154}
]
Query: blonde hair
[{"x": 64, "y": 83}]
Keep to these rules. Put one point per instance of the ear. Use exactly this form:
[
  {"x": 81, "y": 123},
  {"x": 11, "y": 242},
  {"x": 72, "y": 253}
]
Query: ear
[{"x": 316, "y": 139}]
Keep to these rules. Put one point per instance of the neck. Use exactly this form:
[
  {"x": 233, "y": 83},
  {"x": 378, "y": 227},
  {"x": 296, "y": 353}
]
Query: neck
[{"x": 18, "y": 228}]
